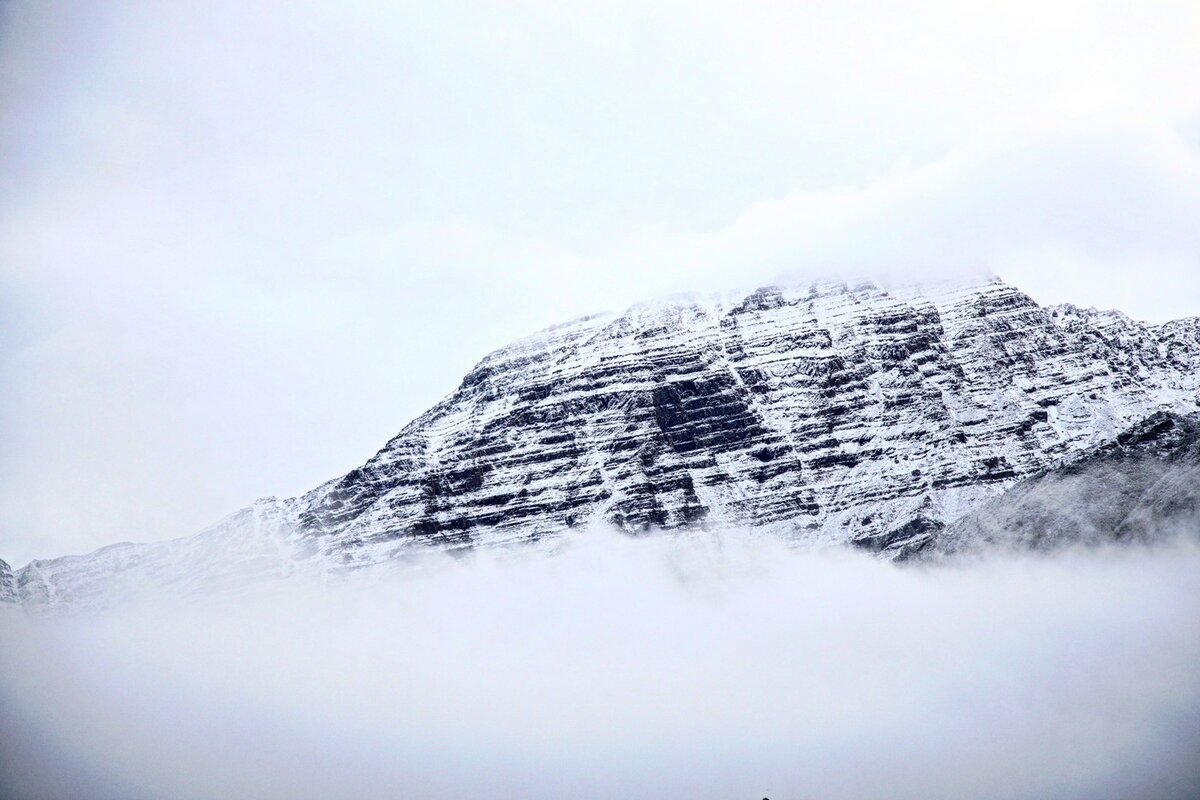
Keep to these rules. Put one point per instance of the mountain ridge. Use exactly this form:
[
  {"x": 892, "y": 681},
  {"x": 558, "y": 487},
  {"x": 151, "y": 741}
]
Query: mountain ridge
[
  {"x": 828, "y": 412},
  {"x": 1142, "y": 487}
]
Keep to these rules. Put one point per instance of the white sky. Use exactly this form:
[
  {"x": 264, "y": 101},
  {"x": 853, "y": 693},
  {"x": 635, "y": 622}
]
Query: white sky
[{"x": 241, "y": 244}]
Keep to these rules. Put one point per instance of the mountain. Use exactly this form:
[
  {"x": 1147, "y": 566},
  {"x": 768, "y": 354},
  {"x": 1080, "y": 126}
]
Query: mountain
[
  {"x": 8, "y": 584},
  {"x": 828, "y": 413},
  {"x": 1142, "y": 486}
]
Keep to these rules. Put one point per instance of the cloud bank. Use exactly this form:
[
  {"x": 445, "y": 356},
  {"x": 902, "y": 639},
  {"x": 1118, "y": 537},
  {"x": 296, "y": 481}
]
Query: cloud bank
[{"x": 691, "y": 666}]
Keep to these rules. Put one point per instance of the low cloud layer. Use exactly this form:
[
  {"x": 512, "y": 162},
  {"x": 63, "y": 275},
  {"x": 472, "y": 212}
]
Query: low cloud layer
[{"x": 688, "y": 666}]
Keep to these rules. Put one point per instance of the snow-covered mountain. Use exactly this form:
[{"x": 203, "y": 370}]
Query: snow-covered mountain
[
  {"x": 828, "y": 413},
  {"x": 8, "y": 584},
  {"x": 1142, "y": 486}
]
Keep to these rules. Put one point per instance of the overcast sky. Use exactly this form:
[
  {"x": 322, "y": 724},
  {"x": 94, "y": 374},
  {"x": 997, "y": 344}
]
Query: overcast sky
[{"x": 242, "y": 243}]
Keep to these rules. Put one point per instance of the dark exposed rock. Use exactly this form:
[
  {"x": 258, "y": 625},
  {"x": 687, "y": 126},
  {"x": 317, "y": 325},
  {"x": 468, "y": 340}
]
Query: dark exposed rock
[
  {"x": 903, "y": 542},
  {"x": 8, "y": 584},
  {"x": 1143, "y": 486}
]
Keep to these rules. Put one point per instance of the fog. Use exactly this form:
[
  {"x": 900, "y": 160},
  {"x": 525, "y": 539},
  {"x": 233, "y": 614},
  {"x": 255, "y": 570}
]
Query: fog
[{"x": 693, "y": 666}]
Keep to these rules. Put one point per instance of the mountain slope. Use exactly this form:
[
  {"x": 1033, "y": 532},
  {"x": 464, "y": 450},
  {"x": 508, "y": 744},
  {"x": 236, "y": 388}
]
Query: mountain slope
[
  {"x": 1143, "y": 486},
  {"x": 8, "y": 584},
  {"x": 827, "y": 412}
]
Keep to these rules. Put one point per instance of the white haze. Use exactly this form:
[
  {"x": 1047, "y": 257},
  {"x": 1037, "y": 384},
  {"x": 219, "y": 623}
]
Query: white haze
[{"x": 669, "y": 667}]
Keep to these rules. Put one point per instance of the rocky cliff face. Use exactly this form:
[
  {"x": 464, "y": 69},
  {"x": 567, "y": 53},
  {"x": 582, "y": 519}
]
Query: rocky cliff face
[
  {"x": 827, "y": 413},
  {"x": 1143, "y": 486},
  {"x": 8, "y": 584}
]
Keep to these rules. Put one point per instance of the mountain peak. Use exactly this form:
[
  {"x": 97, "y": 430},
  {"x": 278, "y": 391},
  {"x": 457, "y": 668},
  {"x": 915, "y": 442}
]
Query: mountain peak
[{"x": 823, "y": 411}]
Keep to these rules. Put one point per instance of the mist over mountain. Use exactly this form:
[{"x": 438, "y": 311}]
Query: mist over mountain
[
  {"x": 696, "y": 665},
  {"x": 825, "y": 413},
  {"x": 1140, "y": 488},
  {"x": 876, "y": 476}
]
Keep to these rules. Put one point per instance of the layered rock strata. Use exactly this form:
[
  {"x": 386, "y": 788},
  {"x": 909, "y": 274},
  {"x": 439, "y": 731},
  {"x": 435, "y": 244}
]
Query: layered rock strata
[{"x": 827, "y": 413}]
